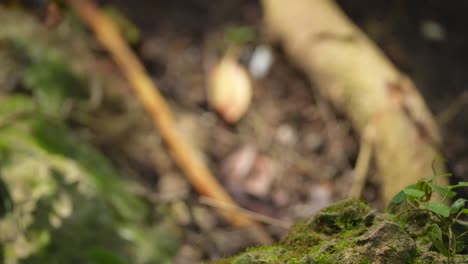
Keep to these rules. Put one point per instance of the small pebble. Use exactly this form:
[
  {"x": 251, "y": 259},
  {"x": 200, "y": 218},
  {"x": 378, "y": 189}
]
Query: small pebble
[
  {"x": 313, "y": 141},
  {"x": 204, "y": 218},
  {"x": 181, "y": 213},
  {"x": 432, "y": 30},
  {"x": 261, "y": 178},
  {"x": 286, "y": 135},
  {"x": 173, "y": 187},
  {"x": 261, "y": 61},
  {"x": 188, "y": 254}
]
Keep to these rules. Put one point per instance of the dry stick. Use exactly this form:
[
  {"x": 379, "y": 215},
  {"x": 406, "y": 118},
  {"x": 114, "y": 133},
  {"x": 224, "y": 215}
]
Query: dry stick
[
  {"x": 147, "y": 92},
  {"x": 453, "y": 109},
  {"x": 253, "y": 215}
]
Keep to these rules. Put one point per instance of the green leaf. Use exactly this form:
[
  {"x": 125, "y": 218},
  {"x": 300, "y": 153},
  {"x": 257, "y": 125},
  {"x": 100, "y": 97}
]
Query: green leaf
[
  {"x": 465, "y": 211},
  {"x": 239, "y": 35},
  {"x": 53, "y": 84},
  {"x": 102, "y": 256},
  {"x": 413, "y": 192},
  {"x": 55, "y": 138},
  {"x": 457, "y": 205},
  {"x": 398, "y": 198},
  {"x": 438, "y": 208},
  {"x": 444, "y": 192},
  {"x": 447, "y": 174},
  {"x": 424, "y": 187},
  {"x": 435, "y": 235},
  {"x": 433, "y": 177},
  {"x": 13, "y": 104},
  {"x": 460, "y": 184}
]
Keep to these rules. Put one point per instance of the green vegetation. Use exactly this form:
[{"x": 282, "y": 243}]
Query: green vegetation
[
  {"x": 61, "y": 199},
  {"x": 444, "y": 215},
  {"x": 350, "y": 232}
]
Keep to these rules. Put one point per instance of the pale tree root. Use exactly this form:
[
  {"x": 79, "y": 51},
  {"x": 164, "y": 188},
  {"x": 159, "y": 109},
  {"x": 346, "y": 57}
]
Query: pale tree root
[{"x": 353, "y": 73}]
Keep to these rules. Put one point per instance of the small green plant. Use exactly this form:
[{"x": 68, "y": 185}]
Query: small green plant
[{"x": 419, "y": 197}]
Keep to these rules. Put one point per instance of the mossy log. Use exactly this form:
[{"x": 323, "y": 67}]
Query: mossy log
[{"x": 354, "y": 74}]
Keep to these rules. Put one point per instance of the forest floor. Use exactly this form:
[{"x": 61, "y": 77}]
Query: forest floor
[{"x": 292, "y": 153}]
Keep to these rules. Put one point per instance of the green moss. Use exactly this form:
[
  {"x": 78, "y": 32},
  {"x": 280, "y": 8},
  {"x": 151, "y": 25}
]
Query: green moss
[
  {"x": 365, "y": 261},
  {"x": 323, "y": 258},
  {"x": 300, "y": 235},
  {"x": 262, "y": 254},
  {"x": 345, "y": 215},
  {"x": 348, "y": 232}
]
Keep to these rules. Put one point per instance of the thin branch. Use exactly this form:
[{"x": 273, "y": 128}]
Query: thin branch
[
  {"x": 453, "y": 109},
  {"x": 253, "y": 215}
]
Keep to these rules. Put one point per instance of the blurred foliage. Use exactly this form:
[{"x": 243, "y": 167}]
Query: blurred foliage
[
  {"x": 128, "y": 30},
  {"x": 62, "y": 200},
  {"x": 239, "y": 35},
  {"x": 47, "y": 80}
]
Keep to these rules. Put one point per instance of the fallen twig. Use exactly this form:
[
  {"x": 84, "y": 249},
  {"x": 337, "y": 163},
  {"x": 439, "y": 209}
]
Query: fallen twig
[
  {"x": 453, "y": 109},
  {"x": 253, "y": 215}
]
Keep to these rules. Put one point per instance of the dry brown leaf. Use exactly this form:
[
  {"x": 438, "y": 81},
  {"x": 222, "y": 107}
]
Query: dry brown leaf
[{"x": 229, "y": 89}]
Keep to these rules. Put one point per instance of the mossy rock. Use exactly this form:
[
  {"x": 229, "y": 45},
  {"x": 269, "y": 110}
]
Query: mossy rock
[{"x": 348, "y": 232}]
